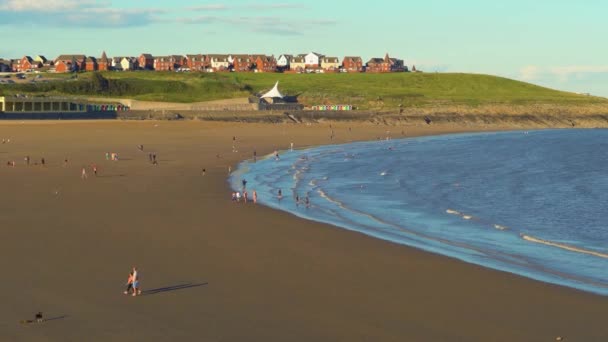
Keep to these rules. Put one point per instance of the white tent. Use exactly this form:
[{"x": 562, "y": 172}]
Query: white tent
[{"x": 273, "y": 93}]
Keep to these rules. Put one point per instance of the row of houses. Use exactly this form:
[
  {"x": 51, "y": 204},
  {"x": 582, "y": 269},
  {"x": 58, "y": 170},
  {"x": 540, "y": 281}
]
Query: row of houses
[{"x": 311, "y": 62}]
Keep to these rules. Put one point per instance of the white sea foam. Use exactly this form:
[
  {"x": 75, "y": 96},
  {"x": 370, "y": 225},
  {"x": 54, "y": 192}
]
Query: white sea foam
[
  {"x": 499, "y": 227},
  {"x": 563, "y": 246}
]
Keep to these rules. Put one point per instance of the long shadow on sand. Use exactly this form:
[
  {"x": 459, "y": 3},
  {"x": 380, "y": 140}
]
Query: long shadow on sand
[{"x": 171, "y": 288}]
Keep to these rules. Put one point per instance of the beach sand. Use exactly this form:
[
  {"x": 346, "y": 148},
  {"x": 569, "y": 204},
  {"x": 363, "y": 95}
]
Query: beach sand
[{"x": 213, "y": 270}]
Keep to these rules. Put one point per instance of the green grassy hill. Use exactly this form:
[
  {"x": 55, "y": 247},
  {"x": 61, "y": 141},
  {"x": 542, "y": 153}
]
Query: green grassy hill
[{"x": 366, "y": 91}]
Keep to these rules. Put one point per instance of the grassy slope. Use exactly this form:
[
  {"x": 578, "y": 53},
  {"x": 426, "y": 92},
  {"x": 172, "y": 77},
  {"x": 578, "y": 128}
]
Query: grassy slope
[{"x": 363, "y": 90}]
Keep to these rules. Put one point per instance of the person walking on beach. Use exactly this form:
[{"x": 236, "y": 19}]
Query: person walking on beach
[
  {"x": 204, "y": 171},
  {"x": 136, "y": 288},
  {"x": 27, "y": 160},
  {"x": 83, "y": 173},
  {"x": 255, "y": 197},
  {"x": 129, "y": 283},
  {"x": 245, "y": 196},
  {"x": 42, "y": 161},
  {"x": 94, "y": 167},
  {"x": 255, "y": 156}
]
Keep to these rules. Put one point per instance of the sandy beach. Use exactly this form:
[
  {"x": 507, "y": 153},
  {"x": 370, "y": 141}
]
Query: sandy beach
[{"x": 214, "y": 270}]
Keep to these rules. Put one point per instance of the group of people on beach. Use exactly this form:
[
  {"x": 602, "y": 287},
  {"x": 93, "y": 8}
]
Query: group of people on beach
[
  {"x": 133, "y": 287},
  {"x": 238, "y": 195}
]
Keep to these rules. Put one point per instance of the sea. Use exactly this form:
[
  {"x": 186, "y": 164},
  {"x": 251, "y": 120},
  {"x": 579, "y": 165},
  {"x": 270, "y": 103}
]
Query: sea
[{"x": 532, "y": 203}]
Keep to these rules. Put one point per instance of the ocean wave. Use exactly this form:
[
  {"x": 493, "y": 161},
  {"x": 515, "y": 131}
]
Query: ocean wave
[{"x": 563, "y": 246}]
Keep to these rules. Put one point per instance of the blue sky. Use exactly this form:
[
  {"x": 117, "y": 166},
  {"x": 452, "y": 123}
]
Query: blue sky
[{"x": 558, "y": 43}]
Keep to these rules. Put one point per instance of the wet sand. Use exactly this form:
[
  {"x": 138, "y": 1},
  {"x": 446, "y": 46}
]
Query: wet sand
[{"x": 213, "y": 270}]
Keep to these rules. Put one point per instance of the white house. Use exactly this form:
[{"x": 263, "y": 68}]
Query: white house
[
  {"x": 116, "y": 63},
  {"x": 283, "y": 61},
  {"x": 313, "y": 59},
  {"x": 219, "y": 62},
  {"x": 128, "y": 63}
]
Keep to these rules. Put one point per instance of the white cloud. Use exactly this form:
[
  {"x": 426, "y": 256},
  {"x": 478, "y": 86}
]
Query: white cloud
[
  {"x": 529, "y": 73},
  {"x": 74, "y": 13},
  {"x": 266, "y": 24},
  {"x": 248, "y": 7},
  {"x": 262, "y": 7},
  {"x": 561, "y": 73},
  {"x": 209, "y": 7},
  {"x": 48, "y": 5}
]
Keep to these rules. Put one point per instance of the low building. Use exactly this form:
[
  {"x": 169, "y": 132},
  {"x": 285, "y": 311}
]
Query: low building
[
  {"x": 352, "y": 64},
  {"x": 47, "y": 107}
]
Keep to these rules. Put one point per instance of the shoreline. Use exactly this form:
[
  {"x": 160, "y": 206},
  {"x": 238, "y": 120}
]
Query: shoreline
[
  {"x": 255, "y": 273},
  {"x": 240, "y": 172}
]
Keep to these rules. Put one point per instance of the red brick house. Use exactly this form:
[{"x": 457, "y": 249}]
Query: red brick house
[
  {"x": 91, "y": 64},
  {"x": 385, "y": 64},
  {"x": 146, "y": 61},
  {"x": 78, "y": 62},
  {"x": 195, "y": 62},
  {"x": 103, "y": 64},
  {"x": 352, "y": 64},
  {"x": 169, "y": 63},
  {"x": 24, "y": 64},
  {"x": 265, "y": 63},
  {"x": 241, "y": 63},
  {"x": 163, "y": 63},
  {"x": 62, "y": 66}
]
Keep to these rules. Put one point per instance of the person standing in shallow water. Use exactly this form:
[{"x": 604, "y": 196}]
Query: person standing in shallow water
[
  {"x": 254, "y": 195},
  {"x": 280, "y": 195}
]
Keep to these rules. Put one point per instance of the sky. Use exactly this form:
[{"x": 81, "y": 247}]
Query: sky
[{"x": 560, "y": 44}]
